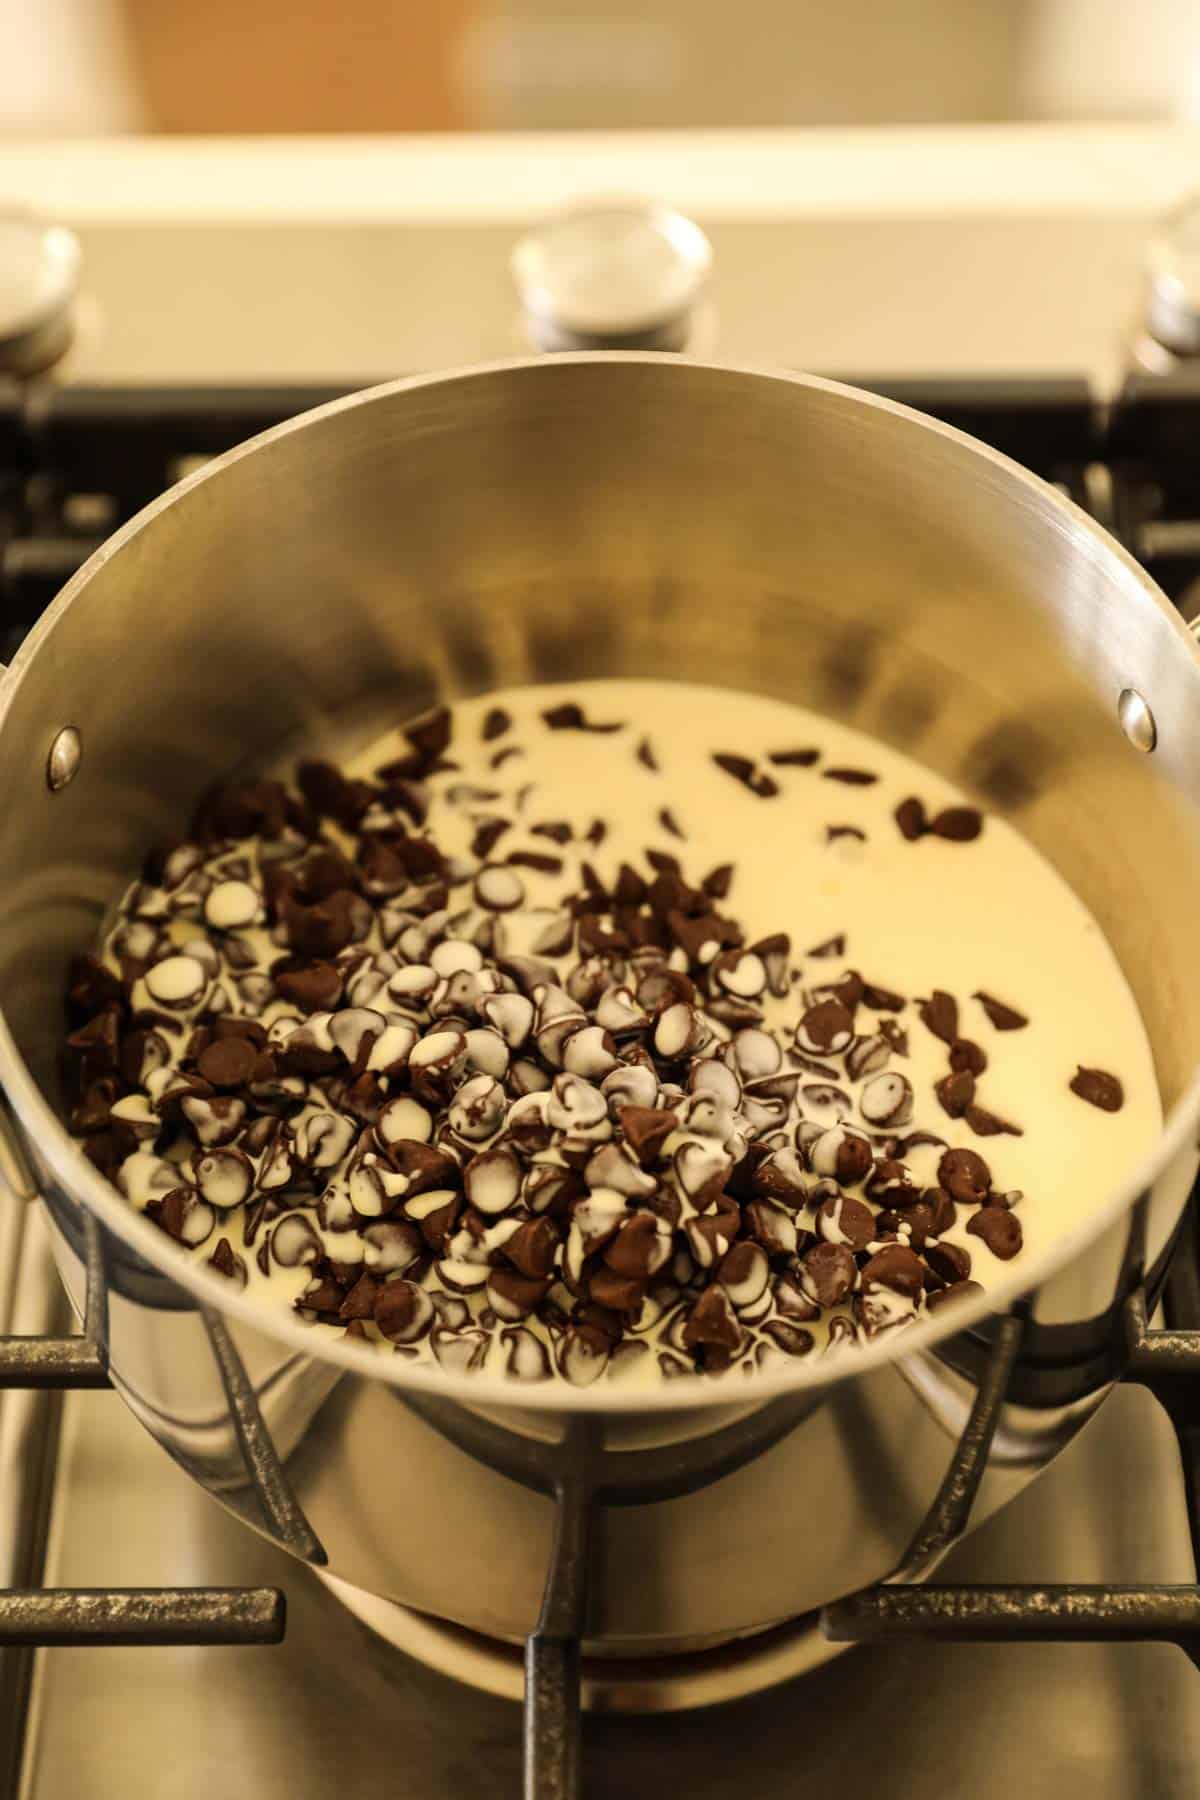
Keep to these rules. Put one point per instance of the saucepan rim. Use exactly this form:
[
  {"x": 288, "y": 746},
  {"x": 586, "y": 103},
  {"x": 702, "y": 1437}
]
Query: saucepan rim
[{"x": 71, "y": 1170}]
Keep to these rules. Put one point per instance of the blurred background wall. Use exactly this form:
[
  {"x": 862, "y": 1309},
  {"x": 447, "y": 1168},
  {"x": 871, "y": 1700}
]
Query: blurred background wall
[{"x": 396, "y": 65}]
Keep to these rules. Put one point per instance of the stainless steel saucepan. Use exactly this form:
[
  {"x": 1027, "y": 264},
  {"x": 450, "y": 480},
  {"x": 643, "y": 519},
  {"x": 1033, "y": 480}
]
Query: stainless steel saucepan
[{"x": 601, "y": 515}]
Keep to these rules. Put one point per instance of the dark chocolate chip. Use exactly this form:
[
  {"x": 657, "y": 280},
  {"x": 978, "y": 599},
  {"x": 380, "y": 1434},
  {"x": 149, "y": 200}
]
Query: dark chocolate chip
[
  {"x": 834, "y": 946},
  {"x": 910, "y": 816},
  {"x": 793, "y": 1340},
  {"x": 596, "y": 833},
  {"x": 965, "y": 1054},
  {"x": 712, "y": 1321},
  {"x": 430, "y": 734},
  {"x": 960, "y": 824},
  {"x": 505, "y": 755},
  {"x": 645, "y": 1129},
  {"x": 939, "y": 1014},
  {"x": 956, "y": 1092},
  {"x": 793, "y": 759},
  {"x": 949, "y": 1262},
  {"x": 999, "y": 1229},
  {"x": 843, "y": 1219},
  {"x": 227, "y": 1262},
  {"x": 228, "y": 1062},
  {"x": 895, "y": 1267},
  {"x": 881, "y": 999},
  {"x": 834, "y": 832},
  {"x": 495, "y": 723},
  {"x": 669, "y": 822},
  {"x": 1098, "y": 1088},
  {"x": 851, "y": 777},
  {"x": 646, "y": 757},
  {"x": 569, "y": 716},
  {"x": 718, "y": 881},
  {"x": 962, "y": 1290},
  {"x": 989, "y": 1124},
  {"x": 312, "y": 986},
  {"x": 740, "y": 767},
  {"x": 487, "y": 836},
  {"x": 828, "y": 1272},
  {"x": 965, "y": 1176},
  {"x": 557, "y": 830},
  {"x": 540, "y": 860},
  {"x": 1001, "y": 1015}
]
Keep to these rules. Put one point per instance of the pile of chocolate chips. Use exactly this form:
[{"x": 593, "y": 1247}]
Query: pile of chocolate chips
[{"x": 600, "y": 1135}]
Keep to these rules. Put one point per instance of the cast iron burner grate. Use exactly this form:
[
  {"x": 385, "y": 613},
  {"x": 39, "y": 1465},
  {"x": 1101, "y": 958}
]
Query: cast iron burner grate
[
  {"x": 581, "y": 1478},
  {"x": 77, "y": 462}
]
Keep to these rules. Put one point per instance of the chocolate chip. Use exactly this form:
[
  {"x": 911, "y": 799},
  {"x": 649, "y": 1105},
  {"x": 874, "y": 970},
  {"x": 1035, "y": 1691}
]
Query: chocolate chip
[
  {"x": 962, "y": 1290},
  {"x": 183, "y": 1215},
  {"x": 506, "y": 755},
  {"x": 712, "y": 1321},
  {"x": 825, "y": 1029},
  {"x": 557, "y": 830},
  {"x": 911, "y": 817},
  {"x": 775, "y": 951},
  {"x": 881, "y": 999},
  {"x": 828, "y": 1272},
  {"x": 960, "y": 824},
  {"x": 844, "y": 1220},
  {"x": 895, "y": 1267},
  {"x": 945, "y": 1213},
  {"x": 596, "y": 833},
  {"x": 228, "y": 1063},
  {"x": 793, "y": 759},
  {"x": 851, "y": 777},
  {"x": 896, "y": 1036},
  {"x": 312, "y": 986},
  {"x": 495, "y": 723},
  {"x": 965, "y": 1176},
  {"x": 989, "y": 1124},
  {"x": 430, "y": 734},
  {"x": 1001, "y": 1015},
  {"x": 939, "y": 1014},
  {"x": 834, "y": 832},
  {"x": 541, "y": 860},
  {"x": 403, "y": 1311},
  {"x": 834, "y": 946},
  {"x": 568, "y": 716},
  {"x": 669, "y": 822},
  {"x": 740, "y": 767},
  {"x": 956, "y": 1091},
  {"x": 645, "y": 1130},
  {"x": 487, "y": 836},
  {"x": 793, "y": 1340},
  {"x": 718, "y": 881},
  {"x": 771, "y": 1226},
  {"x": 646, "y": 757},
  {"x": 999, "y": 1229},
  {"x": 1098, "y": 1088},
  {"x": 964, "y": 1054},
  {"x": 949, "y": 1262},
  {"x": 227, "y": 1262}
]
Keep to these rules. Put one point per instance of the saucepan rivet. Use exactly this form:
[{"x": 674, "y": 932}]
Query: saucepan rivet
[
  {"x": 62, "y": 764},
  {"x": 1137, "y": 721}
]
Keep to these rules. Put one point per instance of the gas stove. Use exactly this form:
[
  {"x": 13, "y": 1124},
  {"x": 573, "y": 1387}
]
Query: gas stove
[{"x": 993, "y": 279}]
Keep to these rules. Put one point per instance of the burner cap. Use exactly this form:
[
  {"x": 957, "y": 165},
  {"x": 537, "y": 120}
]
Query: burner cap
[
  {"x": 615, "y": 274},
  {"x": 39, "y": 274},
  {"x": 1173, "y": 262}
]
